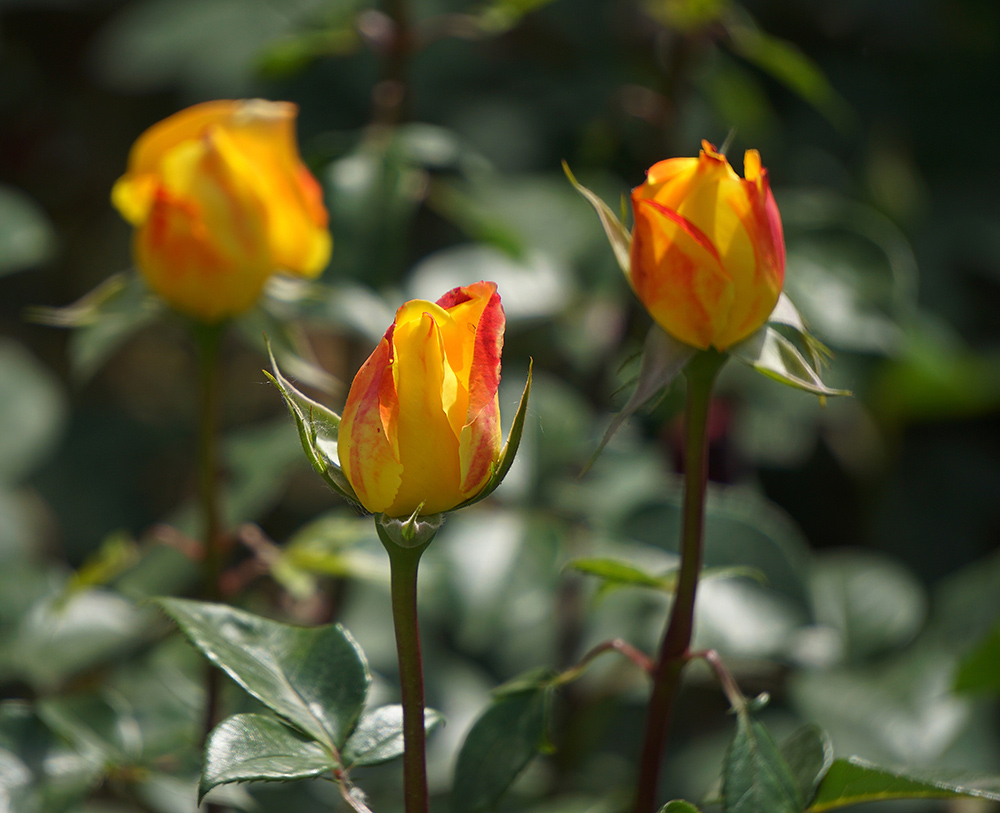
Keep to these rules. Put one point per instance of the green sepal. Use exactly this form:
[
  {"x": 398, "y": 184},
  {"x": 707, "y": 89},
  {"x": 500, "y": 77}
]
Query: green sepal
[
  {"x": 102, "y": 320},
  {"x": 663, "y": 359},
  {"x": 413, "y": 533},
  {"x": 509, "y": 448},
  {"x": 318, "y": 428},
  {"x": 776, "y": 357},
  {"x": 618, "y": 235}
]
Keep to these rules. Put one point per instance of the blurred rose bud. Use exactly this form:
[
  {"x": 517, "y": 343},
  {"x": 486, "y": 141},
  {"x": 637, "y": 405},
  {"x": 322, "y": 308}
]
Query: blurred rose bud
[
  {"x": 708, "y": 255},
  {"x": 422, "y": 422},
  {"x": 220, "y": 200}
]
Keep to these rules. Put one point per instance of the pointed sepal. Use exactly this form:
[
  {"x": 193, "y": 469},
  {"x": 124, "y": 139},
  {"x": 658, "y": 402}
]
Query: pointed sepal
[
  {"x": 663, "y": 359},
  {"x": 318, "y": 427},
  {"x": 773, "y": 355},
  {"x": 413, "y": 533},
  {"x": 618, "y": 235}
]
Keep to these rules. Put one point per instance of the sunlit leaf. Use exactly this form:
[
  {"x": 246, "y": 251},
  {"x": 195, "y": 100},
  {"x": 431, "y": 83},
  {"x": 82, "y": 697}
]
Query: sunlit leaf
[
  {"x": 679, "y": 806},
  {"x": 853, "y": 781},
  {"x": 316, "y": 678},
  {"x": 378, "y": 736},
  {"x": 809, "y": 755},
  {"x": 255, "y": 747}
]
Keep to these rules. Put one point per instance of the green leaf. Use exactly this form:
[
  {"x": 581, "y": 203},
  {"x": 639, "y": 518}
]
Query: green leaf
[
  {"x": 663, "y": 359},
  {"x": 809, "y": 755},
  {"x": 318, "y": 428},
  {"x": 501, "y": 743},
  {"x": 379, "y": 736},
  {"x": 26, "y": 235},
  {"x": 755, "y": 776},
  {"x": 32, "y": 412},
  {"x": 255, "y": 747},
  {"x": 770, "y": 353},
  {"x": 509, "y": 448},
  {"x": 979, "y": 671},
  {"x": 619, "y": 236},
  {"x": 786, "y": 63},
  {"x": 102, "y": 320},
  {"x": 316, "y": 678},
  {"x": 616, "y": 573},
  {"x": 853, "y": 781},
  {"x": 679, "y": 806},
  {"x": 872, "y": 601}
]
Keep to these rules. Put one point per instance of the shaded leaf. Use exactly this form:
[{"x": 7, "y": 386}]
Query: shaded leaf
[
  {"x": 26, "y": 235},
  {"x": 809, "y": 755},
  {"x": 755, "y": 775},
  {"x": 32, "y": 412},
  {"x": 254, "y": 747},
  {"x": 979, "y": 671},
  {"x": 853, "y": 781},
  {"x": 317, "y": 678},
  {"x": 378, "y": 736},
  {"x": 786, "y": 63},
  {"x": 501, "y": 743},
  {"x": 872, "y": 601}
]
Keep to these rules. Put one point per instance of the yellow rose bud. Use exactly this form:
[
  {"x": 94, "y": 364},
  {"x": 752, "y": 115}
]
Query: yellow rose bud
[
  {"x": 220, "y": 200},
  {"x": 708, "y": 254},
  {"x": 422, "y": 422}
]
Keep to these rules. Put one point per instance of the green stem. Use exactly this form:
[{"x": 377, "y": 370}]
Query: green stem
[
  {"x": 403, "y": 563},
  {"x": 208, "y": 339},
  {"x": 674, "y": 650}
]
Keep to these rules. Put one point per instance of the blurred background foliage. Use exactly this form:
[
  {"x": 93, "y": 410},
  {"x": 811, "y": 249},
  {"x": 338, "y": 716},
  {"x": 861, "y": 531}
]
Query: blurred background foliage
[{"x": 874, "y": 521}]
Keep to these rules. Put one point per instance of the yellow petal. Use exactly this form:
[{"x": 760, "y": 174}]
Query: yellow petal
[
  {"x": 428, "y": 445},
  {"x": 363, "y": 444}
]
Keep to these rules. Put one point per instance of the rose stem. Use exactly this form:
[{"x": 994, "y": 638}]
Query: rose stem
[
  {"x": 209, "y": 338},
  {"x": 674, "y": 649},
  {"x": 403, "y": 563}
]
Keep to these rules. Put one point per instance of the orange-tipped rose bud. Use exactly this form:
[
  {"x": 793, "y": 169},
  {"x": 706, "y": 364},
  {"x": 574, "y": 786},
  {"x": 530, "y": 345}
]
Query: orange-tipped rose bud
[
  {"x": 220, "y": 200},
  {"x": 708, "y": 254},
  {"x": 422, "y": 422}
]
